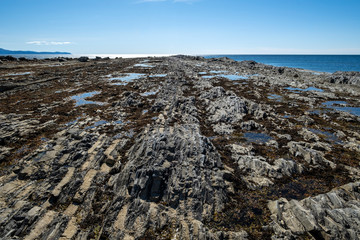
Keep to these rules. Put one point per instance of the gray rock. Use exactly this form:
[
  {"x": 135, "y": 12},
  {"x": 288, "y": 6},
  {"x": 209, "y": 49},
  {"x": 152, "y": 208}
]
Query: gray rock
[
  {"x": 250, "y": 125},
  {"x": 258, "y": 172},
  {"x": 27, "y": 172},
  {"x": 171, "y": 166},
  {"x": 308, "y": 135},
  {"x": 345, "y": 78},
  {"x": 331, "y": 216},
  {"x": 312, "y": 156}
]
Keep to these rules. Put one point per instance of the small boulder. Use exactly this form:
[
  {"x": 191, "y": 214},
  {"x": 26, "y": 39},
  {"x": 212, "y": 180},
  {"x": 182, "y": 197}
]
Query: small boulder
[
  {"x": 10, "y": 58},
  {"x": 83, "y": 59},
  {"x": 250, "y": 125},
  {"x": 281, "y": 70}
]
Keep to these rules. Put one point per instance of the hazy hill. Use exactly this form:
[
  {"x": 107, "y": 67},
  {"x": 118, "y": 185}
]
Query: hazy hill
[{"x": 4, "y": 51}]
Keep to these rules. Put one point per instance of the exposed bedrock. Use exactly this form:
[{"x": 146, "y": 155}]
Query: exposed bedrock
[
  {"x": 176, "y": 167},
  {"x": 334, "y": 215},
  {"x": 178, "y": 147},
  {"x": 345, "y": 78}
]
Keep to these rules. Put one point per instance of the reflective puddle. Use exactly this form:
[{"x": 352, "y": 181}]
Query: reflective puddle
[
  {"x": 143, "y": 65},
  {"x": 327, "y": 135},
  {"x": 19, "y": 74},
  {"x": 80, "y": 99},
  {"x": 232, "y": 77},
  {"x": 101, "y": 122},
  {"x": 129, "y": 77},
  {"x": 207, "y": 77},
  {"x": 275, "y": 97},
  {"x": 304, "y": 89},
  {"x": 257, "y": 137},
  {"x": 98, "y": 123},
  {"x": 342, "y": 106},
  {"x": 158, "y": 75},
  {"x": 149, "y": 93}
]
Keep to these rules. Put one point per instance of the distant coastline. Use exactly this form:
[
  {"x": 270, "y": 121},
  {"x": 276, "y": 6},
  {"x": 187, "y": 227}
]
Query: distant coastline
[{"x": 11, "y": 52}]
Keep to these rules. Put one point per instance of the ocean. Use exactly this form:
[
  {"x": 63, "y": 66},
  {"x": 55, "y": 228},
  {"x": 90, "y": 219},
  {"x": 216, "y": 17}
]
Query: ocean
[{"x": 321, "y": 63}]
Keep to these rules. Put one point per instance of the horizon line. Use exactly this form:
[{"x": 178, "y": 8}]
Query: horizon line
[{"x": 188, "y": 54}]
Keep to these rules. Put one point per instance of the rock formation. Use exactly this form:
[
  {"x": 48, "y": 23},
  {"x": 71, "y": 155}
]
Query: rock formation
[{"x": 177, "y": 148}]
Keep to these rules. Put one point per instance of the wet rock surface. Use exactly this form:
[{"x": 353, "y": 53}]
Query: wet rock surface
[{"x": 177, "y": 148}]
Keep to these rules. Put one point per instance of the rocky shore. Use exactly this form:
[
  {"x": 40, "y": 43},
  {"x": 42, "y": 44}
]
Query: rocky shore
[{"x": 177, "y": 148}]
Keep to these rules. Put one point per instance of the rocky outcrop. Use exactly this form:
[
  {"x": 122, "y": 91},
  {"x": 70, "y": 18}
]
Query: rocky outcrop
[
  {"x": 258, "y": 172},
  {"x": 313, "y": 157},
  {"x": 179, "y": 147},
  {"x": 225, "y": 109},
  {"x": 334, "y": 215},
  {"x": 352, "y": 78},
  {"x": 177, "y": 167}
]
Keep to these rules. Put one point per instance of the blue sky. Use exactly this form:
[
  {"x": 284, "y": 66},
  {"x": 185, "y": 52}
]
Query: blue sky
[{"x": 182, "y": 26}]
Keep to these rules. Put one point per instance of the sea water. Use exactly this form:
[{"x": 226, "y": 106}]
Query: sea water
[{"x": 321, "y": 63}]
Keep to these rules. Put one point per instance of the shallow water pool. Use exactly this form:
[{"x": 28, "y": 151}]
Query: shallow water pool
[
  {"x": 328, "y": 135},
  {"x": 143, "y": 65},
  {"x": 304, "y": 89},
  {"x": 341, "y": 106},
  {"x": 158, "y": 75},
  {"x": 19, "y": 74},
  {"x": 275, "y": 97},
  {"x": 80, "y": 98},
  {"x": 129, "y": 77},
  {"x": 257, "y": 137}
]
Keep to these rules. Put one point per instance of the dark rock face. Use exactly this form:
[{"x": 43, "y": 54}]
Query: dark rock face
[
  {"x": 181, "y": 165},
  {"x": 345, "y": 78},
  {"x": 83, "y": 59},
  {"x": 177, "y": 148},
  {"x": 8, "y": 58}
]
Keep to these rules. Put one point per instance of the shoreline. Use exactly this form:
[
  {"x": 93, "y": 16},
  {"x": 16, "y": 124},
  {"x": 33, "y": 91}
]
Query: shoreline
[{"x": 317, "y": 63}]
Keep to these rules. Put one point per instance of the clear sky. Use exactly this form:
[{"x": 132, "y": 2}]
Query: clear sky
[{"x": 182, "y": 26}]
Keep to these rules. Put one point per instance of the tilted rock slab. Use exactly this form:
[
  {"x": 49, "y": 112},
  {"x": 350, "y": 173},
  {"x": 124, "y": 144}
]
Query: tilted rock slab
[
  {"x": 334, "y": 215},
  {"x": 173, "y": 165}
]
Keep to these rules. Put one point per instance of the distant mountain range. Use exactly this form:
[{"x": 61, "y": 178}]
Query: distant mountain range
[{"x": 4, "y": 51}]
